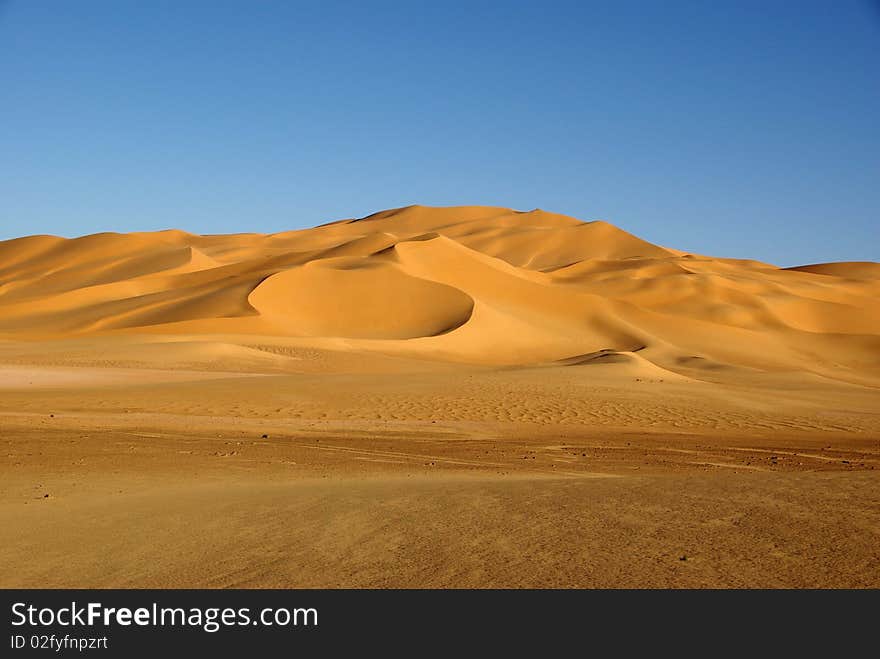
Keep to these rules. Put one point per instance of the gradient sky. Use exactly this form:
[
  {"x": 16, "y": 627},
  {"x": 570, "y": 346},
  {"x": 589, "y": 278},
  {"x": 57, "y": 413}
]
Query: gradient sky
[{"x": 743, "y": 128}]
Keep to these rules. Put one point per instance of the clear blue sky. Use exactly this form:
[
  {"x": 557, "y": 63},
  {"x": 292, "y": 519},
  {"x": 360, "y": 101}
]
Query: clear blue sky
[{"x": 743, "y": 128}]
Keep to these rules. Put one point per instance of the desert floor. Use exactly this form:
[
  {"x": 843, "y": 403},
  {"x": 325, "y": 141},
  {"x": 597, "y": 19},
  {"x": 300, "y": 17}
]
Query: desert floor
[{"x": 363, "y": 470}]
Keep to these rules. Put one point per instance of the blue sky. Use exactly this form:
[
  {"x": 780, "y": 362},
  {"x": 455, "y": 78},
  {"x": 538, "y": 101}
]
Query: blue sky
[{"x": 747, "y": 128}]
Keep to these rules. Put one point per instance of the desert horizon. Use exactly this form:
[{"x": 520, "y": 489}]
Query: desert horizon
[{"x": 434, "y": 397}]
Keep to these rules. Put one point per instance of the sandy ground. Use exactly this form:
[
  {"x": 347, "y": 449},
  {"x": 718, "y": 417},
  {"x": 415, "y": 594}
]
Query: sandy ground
[
  {"x": 434, "y": 398},
  {"x": 418, "y": 476}
]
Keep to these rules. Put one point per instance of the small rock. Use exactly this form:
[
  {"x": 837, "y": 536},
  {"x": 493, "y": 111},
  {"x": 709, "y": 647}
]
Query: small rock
[
  {"x": 682, "y": 558},
  {"x": 265, "y": 436}
]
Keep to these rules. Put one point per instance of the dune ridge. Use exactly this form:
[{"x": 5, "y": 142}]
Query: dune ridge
[{"x": 478, "y": 285}]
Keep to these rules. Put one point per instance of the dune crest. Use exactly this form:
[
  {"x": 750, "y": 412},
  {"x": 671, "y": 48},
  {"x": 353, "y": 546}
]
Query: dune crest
[{"x": 482, "y": 285}]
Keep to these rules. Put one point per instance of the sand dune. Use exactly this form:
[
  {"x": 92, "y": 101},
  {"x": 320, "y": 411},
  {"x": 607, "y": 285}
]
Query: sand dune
[
  {"x": 434, "y": 397},
  {"x": 359, "y": 297},
  {"x": 469, "y": 284}
]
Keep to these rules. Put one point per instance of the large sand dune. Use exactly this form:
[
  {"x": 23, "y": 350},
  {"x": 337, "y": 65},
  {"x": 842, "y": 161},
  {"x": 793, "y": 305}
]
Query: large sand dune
[
  {"x": 432, "y": 397},
  {"x": 471, "y": 284}
]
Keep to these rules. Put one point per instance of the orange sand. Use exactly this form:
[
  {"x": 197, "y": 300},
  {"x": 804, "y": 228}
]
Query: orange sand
[{"x": 451, "y": 396}]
